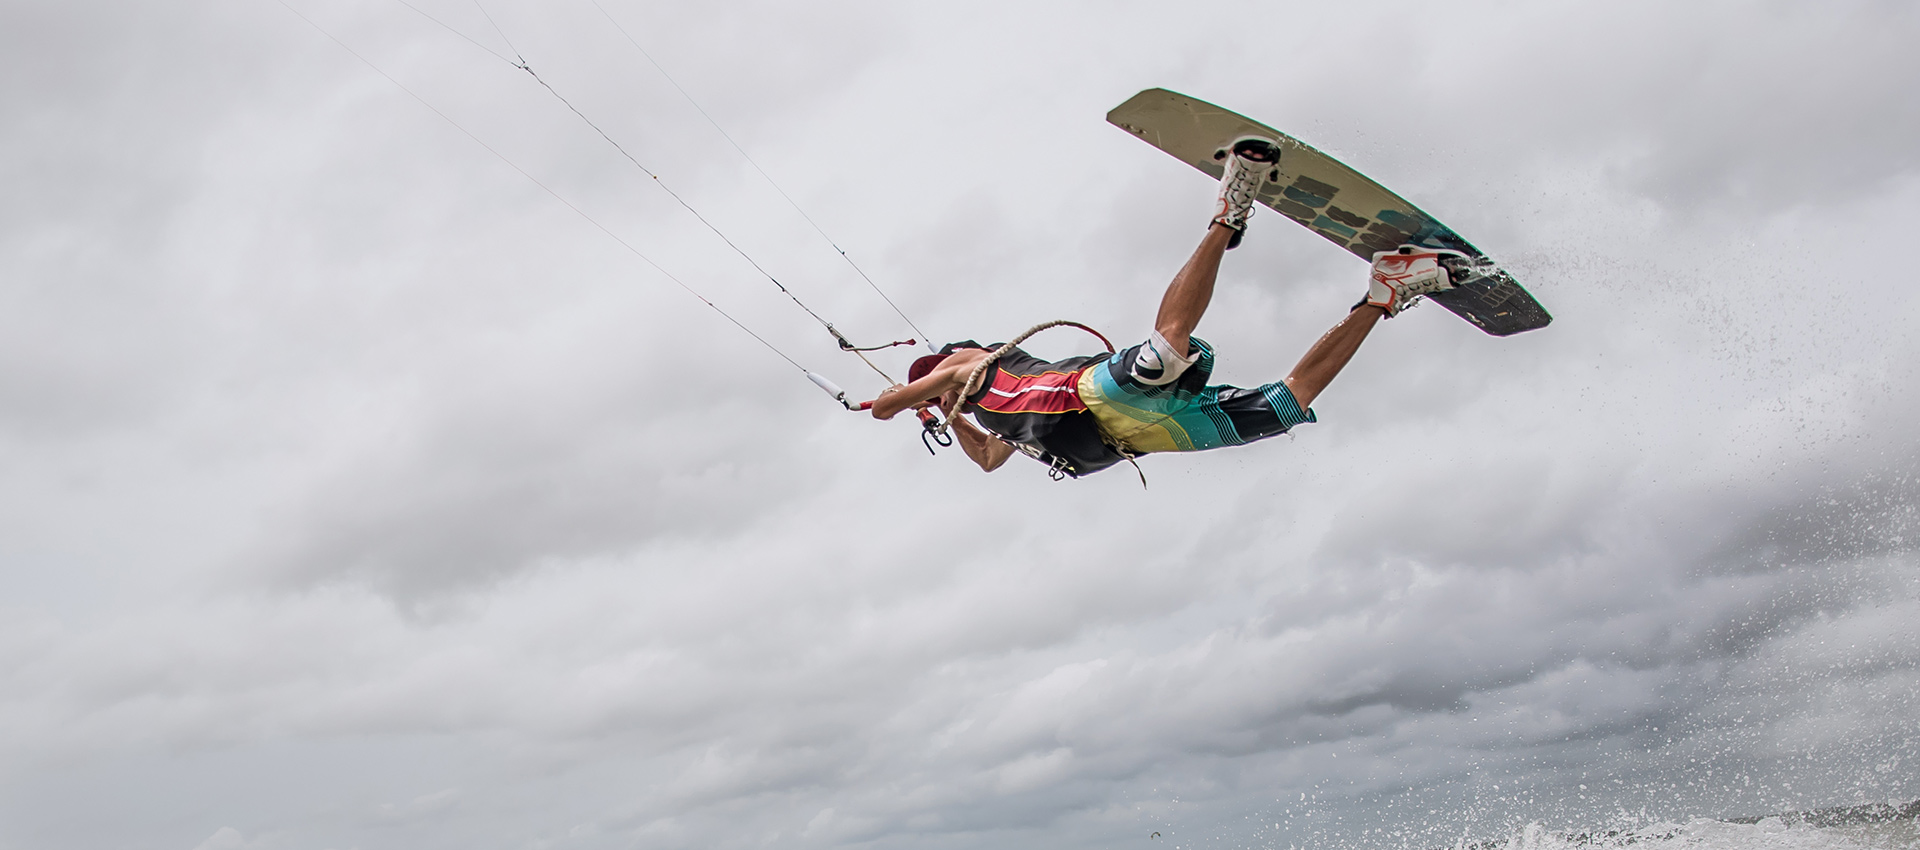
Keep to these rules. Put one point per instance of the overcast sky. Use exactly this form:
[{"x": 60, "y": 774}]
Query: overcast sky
[{"x": 358, "y": 493}]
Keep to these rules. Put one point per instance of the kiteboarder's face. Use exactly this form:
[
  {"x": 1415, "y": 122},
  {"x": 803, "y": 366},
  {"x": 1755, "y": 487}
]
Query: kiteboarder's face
[{"x": 949, "y": 401}]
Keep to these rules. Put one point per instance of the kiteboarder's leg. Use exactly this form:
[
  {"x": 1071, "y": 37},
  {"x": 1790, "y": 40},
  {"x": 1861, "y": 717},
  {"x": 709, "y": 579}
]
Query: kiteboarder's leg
[
  {"x": 1330, "y": 354},
  {"x": 1398, "y": 278},
  {"x": 1187, "y": 297},
  {"x": 1186, "y": 300}
]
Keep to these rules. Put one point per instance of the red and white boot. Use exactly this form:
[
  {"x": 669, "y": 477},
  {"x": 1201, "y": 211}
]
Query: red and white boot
[
  {"x": 1401, "y": 276},
  {"x": 1251, "y": 161}
]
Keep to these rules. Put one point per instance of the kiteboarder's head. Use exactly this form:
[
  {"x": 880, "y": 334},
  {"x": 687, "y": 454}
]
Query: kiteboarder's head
[{"x": 925, "y": 366}]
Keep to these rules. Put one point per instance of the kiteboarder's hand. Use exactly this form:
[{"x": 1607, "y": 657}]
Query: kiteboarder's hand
[{"x": 876, "y": 406}]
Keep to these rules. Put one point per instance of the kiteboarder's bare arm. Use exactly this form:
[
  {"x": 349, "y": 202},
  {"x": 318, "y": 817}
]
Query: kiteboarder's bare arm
[
  {"x": 983, "y": 448},
  {"x": 946, "y": 379},
  {"x": 944, "y": 383}
]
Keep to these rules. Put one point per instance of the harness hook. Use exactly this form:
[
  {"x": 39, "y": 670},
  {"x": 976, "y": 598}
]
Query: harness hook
[{"x": 931, "y": 432}]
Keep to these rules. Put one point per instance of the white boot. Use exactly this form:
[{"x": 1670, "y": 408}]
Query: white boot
[
  {"x": 1401, "y": 276},
  {"x": 1250, "y": 162}
]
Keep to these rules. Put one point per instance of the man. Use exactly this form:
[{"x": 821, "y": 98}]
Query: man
[{"x": 1084, "y": 414}]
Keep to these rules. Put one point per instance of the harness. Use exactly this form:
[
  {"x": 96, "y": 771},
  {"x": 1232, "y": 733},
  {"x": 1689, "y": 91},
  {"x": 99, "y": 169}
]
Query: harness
[
  {"x": 978, "y": 375},
  {"x": 1058, "y": 468}
]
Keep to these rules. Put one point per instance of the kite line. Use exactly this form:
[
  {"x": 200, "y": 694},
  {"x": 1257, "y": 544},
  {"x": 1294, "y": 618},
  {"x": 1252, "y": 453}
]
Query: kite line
[{"x": 518, "y": 61}]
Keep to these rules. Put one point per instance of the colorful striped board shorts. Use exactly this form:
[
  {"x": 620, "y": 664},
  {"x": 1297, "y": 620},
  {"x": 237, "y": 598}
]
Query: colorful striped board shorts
[{"x": 1141, "y": 407}]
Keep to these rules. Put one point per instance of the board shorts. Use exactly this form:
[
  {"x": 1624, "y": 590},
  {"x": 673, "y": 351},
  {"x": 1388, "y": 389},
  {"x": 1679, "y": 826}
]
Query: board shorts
[{"x": 1148, "y": 399}]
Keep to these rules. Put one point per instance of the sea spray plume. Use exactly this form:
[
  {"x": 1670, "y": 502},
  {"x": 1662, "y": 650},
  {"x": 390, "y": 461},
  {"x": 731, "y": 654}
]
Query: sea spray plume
[{"x": 1877, "y": 826}]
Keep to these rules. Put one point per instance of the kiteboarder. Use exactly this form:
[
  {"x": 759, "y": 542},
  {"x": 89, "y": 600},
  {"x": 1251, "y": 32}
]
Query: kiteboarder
[{"x": 1084, "y": 414}]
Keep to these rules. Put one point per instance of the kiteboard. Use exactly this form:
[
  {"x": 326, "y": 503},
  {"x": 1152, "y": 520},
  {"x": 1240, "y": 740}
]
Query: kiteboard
[{"x": 1328, "y": 198}]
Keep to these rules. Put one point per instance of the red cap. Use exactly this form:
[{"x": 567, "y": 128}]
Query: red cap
[{"x": 925, "y": 366}]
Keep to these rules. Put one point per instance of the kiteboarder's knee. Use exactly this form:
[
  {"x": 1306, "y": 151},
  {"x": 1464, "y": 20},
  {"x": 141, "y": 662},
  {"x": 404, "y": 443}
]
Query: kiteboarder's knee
[{"x": 1156, "y": 364}]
